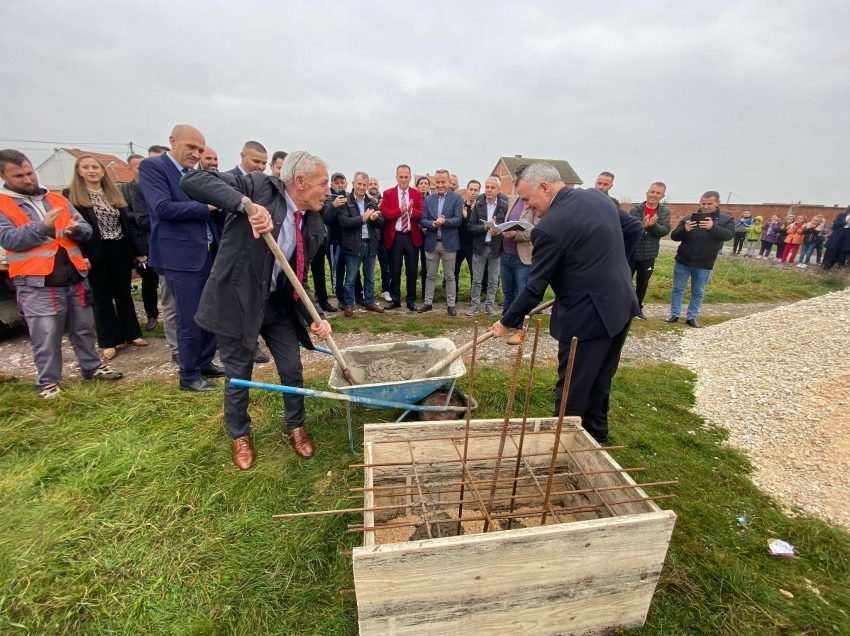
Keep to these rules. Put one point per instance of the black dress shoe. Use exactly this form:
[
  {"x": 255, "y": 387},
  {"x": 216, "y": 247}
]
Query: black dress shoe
[
  {"x": 692, "y": 322},
  {"x": 411, "y": 306},
  {"x": 326, "y": 306},
  {"x": 150, "y": 325},
  {"x": 212, "y": 371},
  {"x": 672, "y": 319},
  {"x": 260, "y": 357},
  {"x": 424, "y": 308},
  {"x": 452, "y": 311},
  {"x": 199, "y": 385}
]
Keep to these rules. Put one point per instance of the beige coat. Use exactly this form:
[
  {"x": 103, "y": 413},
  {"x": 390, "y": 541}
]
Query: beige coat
[{"x": 523, "y": 239}]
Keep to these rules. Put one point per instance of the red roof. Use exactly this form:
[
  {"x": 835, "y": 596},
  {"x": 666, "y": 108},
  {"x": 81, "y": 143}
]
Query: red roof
[{"x": 117, "y": 168}]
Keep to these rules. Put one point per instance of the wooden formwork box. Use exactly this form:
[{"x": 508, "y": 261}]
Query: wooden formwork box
[{"x": 587, "y": 576}]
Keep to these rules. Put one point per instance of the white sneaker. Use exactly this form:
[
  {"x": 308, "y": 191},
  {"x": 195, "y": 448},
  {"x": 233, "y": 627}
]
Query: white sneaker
[
  {"x": 50, "y": 391},
  {"x": 386, "y": 296}
]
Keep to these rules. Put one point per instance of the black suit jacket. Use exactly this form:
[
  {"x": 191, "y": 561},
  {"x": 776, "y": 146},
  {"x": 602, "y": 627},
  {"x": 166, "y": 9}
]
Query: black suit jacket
[
  {"x": 351, "y": 226},
  {"x": 476, "y": 223},
  {"x": 234, "y": 297},
  {"x": 579, "y": 249}
]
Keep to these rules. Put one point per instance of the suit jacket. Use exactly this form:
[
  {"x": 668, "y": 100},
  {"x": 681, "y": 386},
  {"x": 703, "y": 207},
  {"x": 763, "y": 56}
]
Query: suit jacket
[
  {"x": 236, "y": 171},
  {"x": 523, "y": 239},
  {"x": 138, "y": 218},
  {"x": 453, "y": 213},
  {"x": 477, "y": 224},
  {"x": 234, "y": 298},
  {"x": 351, "y": 227},
  {"x": 580, "y": 251},
  {"x": 391, "y": 211},
  {"x": 178, "y": 224}
]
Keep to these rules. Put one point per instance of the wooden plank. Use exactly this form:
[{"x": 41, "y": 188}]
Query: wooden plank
[
  {"x": 368, "y": 496},
  {"x": 564, "y": 578},
  {"x": 402, "y": 431}
]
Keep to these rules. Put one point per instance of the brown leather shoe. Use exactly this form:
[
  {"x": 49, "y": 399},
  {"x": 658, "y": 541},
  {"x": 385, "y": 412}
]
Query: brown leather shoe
[
  {"x": 243, "y": 452},
  {"x": 348, "y": 311},
  {"x": 301, "y": 442},
  {"x": 516, "y": 337},
  {"x": 375, "y": 307}
]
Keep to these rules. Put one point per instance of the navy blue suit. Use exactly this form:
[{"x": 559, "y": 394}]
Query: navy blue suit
[
  {"x": 581, "y": 249},
  {"x": 450, "y": 232},
  {"x": 182, "y": 248}
]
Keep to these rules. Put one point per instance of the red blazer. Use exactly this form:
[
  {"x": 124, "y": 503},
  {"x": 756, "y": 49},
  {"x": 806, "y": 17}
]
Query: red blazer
[{"x": 391, "y": 212}]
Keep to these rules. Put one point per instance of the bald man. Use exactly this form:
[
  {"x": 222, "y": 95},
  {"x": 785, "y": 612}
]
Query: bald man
[{"x": 183, "y": 243}]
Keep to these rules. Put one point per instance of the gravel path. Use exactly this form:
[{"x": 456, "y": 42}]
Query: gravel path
[{"x": 778, "y": 382}]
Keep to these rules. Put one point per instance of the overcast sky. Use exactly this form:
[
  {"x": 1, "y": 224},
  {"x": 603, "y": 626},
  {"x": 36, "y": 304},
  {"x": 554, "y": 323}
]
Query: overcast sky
[{"x": 751, "y": 98}]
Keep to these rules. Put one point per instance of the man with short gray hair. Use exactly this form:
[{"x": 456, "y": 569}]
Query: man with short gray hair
[
  {"x": 580, "y": 250},
  {"x": 248, "y": 294}
]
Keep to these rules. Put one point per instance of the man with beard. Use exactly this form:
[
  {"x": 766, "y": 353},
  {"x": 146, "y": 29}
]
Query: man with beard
[{"x": 40, "y": 231}]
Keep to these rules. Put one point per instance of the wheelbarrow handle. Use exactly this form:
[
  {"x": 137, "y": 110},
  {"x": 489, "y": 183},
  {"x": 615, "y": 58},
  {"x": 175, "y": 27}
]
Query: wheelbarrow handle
[
  {"x": 299, "y": 289},
  {"x": 342, "y": 397}
]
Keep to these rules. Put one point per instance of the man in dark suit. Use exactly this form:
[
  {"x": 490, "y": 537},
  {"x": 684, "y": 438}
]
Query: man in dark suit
[
  {"x": 402, "y": 209},
  {"x": 253, "y": 158},
  {"x": 247, "y": 294},
  {"x": 441, "y": 219},
  {"x": 580, "y": 248},
  {"x": 487, "y": 211},
  {"x": 182, "y": 248}
]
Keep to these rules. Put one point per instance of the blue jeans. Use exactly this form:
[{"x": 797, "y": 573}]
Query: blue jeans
[
  {"x": 352, "y": 266},
  {"x": 808, "y": 250},
  {"x": 514, "y": 278},
  {"x": 699, "y": 280}
]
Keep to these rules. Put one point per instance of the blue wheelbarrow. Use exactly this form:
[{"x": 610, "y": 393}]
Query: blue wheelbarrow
[{"x": 431, "y": 397}]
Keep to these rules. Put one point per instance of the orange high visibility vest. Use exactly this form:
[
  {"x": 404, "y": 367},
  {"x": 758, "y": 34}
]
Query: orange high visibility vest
[{"x": 38, "y": 261}]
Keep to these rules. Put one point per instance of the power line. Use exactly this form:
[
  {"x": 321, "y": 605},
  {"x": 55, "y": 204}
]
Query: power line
[{"x": 123, "y": 144}]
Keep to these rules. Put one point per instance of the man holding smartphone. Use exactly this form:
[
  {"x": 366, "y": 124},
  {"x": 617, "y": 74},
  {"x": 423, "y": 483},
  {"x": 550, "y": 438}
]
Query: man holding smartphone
[{"x": 702, "y": 235}]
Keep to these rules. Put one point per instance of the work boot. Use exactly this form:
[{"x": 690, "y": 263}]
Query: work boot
[
  {"x": 243, "y": 452},
  {"x": 515, "y": 338},
  {"x": 301, "y": 442}
]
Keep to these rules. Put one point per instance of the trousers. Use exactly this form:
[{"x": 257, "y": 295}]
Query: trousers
[{"x": 282, "y": 341}]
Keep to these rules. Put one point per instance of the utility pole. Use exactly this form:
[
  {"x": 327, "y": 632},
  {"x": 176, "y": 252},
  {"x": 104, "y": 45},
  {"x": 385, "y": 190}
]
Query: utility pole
[
  {"x": 728, "y": 198},
  {"x": 132, "y": 152}
]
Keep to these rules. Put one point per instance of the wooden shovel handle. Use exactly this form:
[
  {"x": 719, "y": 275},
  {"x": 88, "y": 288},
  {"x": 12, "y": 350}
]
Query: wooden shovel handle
[{"x": 299, "y": 289}]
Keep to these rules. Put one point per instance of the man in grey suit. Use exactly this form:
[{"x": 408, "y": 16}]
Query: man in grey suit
[{"x": 440, "y": 222}]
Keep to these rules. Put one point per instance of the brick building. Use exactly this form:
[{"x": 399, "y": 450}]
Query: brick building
[
  {"x": 766, "y": 210},
  {"x": 56, "y": 171},
  {"x": 506, "y": 169}
]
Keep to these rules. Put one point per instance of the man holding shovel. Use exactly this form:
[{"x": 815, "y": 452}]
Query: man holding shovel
[{"x": 247, "y": 293}]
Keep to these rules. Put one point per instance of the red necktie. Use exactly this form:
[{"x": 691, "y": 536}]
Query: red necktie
[
  {"x": 405, "y": 212},
  {"x": 299, "y": 250}
]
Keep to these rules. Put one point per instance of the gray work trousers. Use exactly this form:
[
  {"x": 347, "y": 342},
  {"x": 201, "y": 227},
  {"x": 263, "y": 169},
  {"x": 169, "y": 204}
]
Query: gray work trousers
[
  {"x": 489, "y": 259},
  {"x": 50, "y": 312},
  {"x": 238, "y": 360},
  {"x": 169, "y": 316},
  {"x": 432, "y": 262}
]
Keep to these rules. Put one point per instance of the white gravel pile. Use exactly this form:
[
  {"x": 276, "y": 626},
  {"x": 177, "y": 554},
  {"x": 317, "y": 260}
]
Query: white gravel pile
[{"x": 779, "y": 381}]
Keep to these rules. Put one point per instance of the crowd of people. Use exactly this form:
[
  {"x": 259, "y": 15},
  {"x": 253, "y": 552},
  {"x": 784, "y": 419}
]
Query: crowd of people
[{"x": 181, "y": 226}]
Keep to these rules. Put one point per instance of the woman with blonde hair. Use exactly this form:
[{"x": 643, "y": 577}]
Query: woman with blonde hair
[{"x": 110, "y": 253}]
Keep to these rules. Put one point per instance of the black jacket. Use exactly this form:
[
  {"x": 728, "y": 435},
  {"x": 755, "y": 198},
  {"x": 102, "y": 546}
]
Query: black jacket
[
  {"x": 477, "y": 224},
  {"x": 580, "y": 250},
  {"x": 138, "y": 217},
  {"x": 351, "y": 226},
  {"x": 91, "y": 248},
  {"x": 649, "y": 244},
  {"x": 699, "y": 248},
  {"x": 234, "y": 298},
  {"x": 330, "y": 214}
]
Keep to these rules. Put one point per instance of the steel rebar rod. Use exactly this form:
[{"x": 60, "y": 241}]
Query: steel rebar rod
[
  {"x": 466, "y": 427},
  {"x": 565, "y": 392},
  {"x": 473, "y": 487},
  {"x": 509, "y": 407},
  {"x": 529, "y": 383},
  {"x": 419, "y": 488}
]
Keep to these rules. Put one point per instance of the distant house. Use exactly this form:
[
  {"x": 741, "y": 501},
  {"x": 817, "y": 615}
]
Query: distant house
[
  {"x": 508, "y": 167},
  {"x": 56, "y": 171}
]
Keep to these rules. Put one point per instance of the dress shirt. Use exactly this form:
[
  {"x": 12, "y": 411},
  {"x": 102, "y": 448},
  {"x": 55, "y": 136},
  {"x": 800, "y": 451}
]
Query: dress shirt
[
  {"x": 286, "y": 237},
  {"x": 361, "y": 205},
  {"x": 441, "y": 201},
  {"x": 491, "y": 210},
  {"x": 409, "y": 207}
]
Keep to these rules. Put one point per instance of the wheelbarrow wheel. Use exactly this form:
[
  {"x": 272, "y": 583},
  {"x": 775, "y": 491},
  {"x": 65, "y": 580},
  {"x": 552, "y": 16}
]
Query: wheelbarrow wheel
[{"x": 438, "y": 398}]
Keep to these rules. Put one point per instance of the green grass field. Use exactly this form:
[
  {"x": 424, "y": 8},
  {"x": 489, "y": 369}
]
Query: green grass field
[{"x": 123, "y": 515}]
